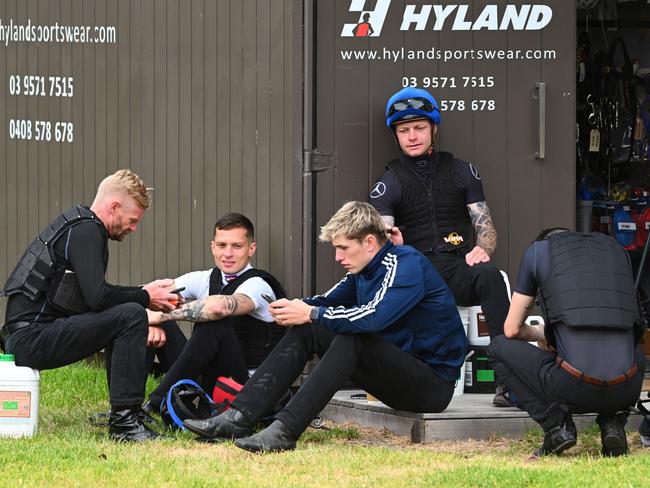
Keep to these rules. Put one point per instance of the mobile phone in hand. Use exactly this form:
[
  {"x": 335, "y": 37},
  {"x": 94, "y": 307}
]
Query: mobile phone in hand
[{"x": 267, "y": 298}]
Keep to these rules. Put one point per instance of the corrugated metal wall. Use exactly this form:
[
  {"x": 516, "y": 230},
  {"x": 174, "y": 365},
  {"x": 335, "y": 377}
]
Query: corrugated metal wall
[{"x": 202, "y": 98}]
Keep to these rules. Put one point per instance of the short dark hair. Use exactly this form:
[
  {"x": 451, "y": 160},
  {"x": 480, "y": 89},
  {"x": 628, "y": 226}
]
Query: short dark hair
[
  {"x": 546, "y": 233},
  {"x": 235, "y": 220}
]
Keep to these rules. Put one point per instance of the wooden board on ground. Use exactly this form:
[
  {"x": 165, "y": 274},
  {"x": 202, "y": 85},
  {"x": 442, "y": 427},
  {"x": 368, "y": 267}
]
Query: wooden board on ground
[{"x": 469, "y": 416}]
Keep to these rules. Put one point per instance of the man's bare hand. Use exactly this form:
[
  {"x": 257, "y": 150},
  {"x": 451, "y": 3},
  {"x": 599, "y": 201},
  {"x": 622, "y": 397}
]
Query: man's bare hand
[
  {"x": 160, "y": 296},
  {"x": 290, "y": 312},
  {"x": 477, "y": 255},
  {"x": 157, "y": 337},
  {"x": 395, "y": 235}
]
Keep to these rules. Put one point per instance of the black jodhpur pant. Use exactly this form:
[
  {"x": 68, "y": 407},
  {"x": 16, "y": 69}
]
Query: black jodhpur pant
[
  {"x": 548, "y": 393},
  {"x": 213, "y": 350},
  {"x": 397, "y": 378},
  {"x": 121, "y": 330},
  {"x": 481, "y": 284}
]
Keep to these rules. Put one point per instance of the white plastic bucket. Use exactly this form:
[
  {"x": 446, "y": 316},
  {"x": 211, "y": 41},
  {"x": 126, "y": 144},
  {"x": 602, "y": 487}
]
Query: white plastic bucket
[
  {"x": 478, "y": 333},
  {"x": 18, "y": 398},
  {"x": 460, "y": 382}
]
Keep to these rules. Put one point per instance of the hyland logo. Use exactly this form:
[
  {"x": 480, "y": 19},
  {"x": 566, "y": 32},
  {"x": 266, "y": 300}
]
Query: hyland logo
[
  {"x": 455, "y": 17},
  {"x": 370, "y": 21}
]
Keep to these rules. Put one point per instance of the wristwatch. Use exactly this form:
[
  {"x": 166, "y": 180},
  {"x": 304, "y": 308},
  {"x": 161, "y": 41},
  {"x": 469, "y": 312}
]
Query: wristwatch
[{"x": 313, "y": 314}]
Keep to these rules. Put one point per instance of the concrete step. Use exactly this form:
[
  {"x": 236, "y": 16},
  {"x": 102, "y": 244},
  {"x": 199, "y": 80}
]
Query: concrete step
[{"x": 468, "y": 416}]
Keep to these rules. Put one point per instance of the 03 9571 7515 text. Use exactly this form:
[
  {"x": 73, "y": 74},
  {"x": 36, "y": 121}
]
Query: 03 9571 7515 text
[
  {"x": 448, "y": 81},
  {"x": 42, "y": 86},
  {"x": 41, "y": 130}
]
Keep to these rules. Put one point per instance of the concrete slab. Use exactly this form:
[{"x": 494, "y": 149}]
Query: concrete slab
[{"x": 469, "y": 416}]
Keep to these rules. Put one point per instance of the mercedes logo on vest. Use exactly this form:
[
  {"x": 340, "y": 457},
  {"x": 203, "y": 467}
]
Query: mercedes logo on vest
[{"x": 378, "y": 190}]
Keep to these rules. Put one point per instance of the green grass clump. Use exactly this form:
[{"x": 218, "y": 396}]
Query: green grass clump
[{"x": 69, "y": 451}]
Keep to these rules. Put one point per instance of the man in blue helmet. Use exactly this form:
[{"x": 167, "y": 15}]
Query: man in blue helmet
[{"x": 435, "y": 203}]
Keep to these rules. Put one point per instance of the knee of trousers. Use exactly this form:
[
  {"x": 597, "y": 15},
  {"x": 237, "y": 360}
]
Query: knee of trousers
[
  {"x": 363, "y": 344},
  {"x": 488, "y": 272},
  {"x": 131, "y": 316},
  {"x": 495, "y": 349},
  {"x": 488, "y": 279},
  {"x": 354, "y": 342}
]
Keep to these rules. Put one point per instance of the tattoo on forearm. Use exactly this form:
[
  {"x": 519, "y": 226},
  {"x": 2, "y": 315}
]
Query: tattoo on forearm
[
  {"x": 215, "y": 307},
  {"x": 192, "y": 311},
  {"x": 486, "y": 235},
  {"x": 231, "y": 305}
]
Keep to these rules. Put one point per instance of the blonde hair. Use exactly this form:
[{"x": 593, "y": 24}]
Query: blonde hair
[
  {"x": 354, "y": 220},
  {"x": 124, "y": 183}
]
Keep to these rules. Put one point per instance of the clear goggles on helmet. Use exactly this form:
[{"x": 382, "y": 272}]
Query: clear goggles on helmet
[{"x": 410, "y": 103}]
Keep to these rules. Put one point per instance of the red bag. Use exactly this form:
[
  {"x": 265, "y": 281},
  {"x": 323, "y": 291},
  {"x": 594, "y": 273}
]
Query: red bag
[{"x": 225, "y": 391}]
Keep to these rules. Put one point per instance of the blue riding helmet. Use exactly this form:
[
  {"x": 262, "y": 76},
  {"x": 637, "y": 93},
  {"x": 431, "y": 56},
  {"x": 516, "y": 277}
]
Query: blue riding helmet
[{"x": 412, "y": 103}]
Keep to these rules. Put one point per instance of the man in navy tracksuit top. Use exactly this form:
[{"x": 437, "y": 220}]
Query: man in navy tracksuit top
[{"x": 390, "y": 325}]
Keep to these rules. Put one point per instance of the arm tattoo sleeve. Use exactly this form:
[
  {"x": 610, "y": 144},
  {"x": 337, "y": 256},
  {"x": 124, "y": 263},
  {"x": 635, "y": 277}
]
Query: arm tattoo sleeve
[
  {"x": 215, "y": 307},
  {"x": 486, "y": 235}
]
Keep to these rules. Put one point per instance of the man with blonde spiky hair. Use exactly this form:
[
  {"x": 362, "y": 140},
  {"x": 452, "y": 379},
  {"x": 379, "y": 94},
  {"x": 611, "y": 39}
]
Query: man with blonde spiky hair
[
  {"x": 390, "y": 325},
  {"x": 61, "y": 309}
]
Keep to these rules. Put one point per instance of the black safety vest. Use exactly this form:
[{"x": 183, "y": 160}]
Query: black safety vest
[
  {"x": 590, "y": 283},
  {"x": 433, "y": 213},
  {"x": 256, "y": 337},
  {"x": 37, "y": 269}
]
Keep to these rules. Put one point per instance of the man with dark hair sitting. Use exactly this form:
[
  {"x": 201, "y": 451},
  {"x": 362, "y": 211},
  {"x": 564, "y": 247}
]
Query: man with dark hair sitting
[
  {"x": 240, "y": 332},
  {"x": 390, "y": 325},
  {"x": 591, "y": 361}
]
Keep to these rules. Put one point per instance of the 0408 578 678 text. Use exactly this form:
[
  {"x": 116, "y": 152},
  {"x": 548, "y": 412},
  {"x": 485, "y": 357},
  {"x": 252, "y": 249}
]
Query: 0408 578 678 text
[{"x": 41, "y": 130}]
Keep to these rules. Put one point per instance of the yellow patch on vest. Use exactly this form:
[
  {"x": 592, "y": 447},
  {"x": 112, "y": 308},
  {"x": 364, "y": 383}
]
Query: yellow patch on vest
[{"x": 454, "y": 238}]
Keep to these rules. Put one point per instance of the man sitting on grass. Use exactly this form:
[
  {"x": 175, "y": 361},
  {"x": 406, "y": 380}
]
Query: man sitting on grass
[{"x": 390, "y": 325}]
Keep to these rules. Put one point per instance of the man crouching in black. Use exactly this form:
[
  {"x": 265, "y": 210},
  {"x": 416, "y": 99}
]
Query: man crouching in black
[{"x": 593, "y": 326}]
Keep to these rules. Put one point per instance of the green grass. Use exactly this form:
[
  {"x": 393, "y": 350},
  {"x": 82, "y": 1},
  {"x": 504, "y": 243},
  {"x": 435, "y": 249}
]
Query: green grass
[{"x": 68, "y": 451}]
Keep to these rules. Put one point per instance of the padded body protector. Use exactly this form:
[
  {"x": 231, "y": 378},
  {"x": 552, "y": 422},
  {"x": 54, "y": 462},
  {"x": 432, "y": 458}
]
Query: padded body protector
[
  {"x": 37, "y": 271},
  {"x": 590, "y": 283},
  {"x": 256, "y": 337},
  {"x": 433, "y": 212}
]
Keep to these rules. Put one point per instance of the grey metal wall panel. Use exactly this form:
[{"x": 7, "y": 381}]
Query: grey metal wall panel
[
  {"x": 488, "y": 128},
  {"x": 202, "y": 98}
]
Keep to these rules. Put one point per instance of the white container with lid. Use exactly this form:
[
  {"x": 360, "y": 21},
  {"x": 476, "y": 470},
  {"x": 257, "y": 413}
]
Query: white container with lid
[{"x": 19, "y": 387}]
